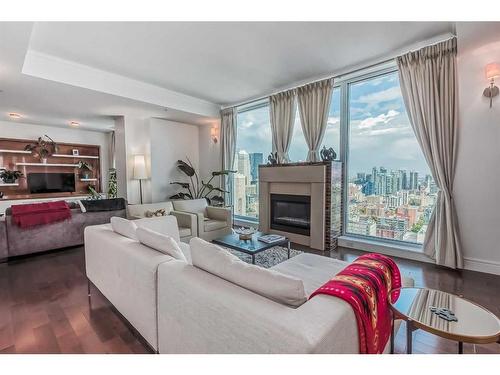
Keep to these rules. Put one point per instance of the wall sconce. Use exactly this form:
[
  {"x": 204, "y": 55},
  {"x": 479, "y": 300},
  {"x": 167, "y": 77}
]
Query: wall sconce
[
  {"x": 213, "y": 134},
  {"x": 492, "y": 72}
]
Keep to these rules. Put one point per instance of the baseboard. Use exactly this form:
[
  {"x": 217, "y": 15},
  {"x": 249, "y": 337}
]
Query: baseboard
[
  {"x": 471, "y": 264},
  {"x": 479, "y": 265}
]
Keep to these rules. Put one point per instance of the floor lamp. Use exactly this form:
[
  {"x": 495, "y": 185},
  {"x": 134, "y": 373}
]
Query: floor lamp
[{"x": 140, "y": 172}]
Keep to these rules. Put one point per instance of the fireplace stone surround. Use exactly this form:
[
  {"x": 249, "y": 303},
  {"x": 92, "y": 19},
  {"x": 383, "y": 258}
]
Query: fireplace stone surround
[{"x": 312, "y": 186}]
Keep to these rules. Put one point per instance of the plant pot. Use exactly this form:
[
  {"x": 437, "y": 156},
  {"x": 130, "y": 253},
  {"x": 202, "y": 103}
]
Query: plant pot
[
  {"x": 8, "y": 180},
  {"x": 44, "y": 160}
]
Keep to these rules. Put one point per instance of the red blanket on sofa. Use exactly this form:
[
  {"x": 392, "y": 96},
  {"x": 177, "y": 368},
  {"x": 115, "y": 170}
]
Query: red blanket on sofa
[
  {"x": 30, "y": 215},
  {"x": 365, "y": 285}
]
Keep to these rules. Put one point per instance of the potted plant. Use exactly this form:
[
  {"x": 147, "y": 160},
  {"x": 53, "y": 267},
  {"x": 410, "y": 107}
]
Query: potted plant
[
  {"x": 10, "y": 177},
  {"x": 85, "y": 169},
  {"x": 196, "y": 189},
  {"x": 42, "y": 148}
]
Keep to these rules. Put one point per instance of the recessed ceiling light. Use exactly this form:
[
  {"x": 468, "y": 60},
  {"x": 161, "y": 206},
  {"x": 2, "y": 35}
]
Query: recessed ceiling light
[
  {"x": 74, "y": 123},
  {"x": 14, "y": 115}
]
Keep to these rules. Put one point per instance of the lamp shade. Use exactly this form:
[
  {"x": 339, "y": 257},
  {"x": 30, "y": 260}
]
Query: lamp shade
[
  {"x": 492, "y": 70},
  {"x": 140, "y": 172}
]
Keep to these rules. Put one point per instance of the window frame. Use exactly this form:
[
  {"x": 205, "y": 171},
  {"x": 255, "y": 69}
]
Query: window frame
[
  {"x": 258, "y": 104},
  {"x": 345, "y": 131},
  {"x": 342, "y": 82}
]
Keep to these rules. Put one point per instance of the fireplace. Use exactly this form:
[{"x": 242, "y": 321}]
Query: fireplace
[{"x": 291, "y": 213}]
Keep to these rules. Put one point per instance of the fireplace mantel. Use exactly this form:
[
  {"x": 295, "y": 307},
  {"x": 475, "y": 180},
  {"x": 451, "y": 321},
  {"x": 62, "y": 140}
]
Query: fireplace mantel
[{"x": 321, "y": 182}]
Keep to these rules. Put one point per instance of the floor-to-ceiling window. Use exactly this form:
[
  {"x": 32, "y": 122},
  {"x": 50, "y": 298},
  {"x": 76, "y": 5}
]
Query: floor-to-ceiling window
[
  {"x": 298, "y": 147},
  {"x": 390, "y": 191},
  {"x": 253, "y": 145}
]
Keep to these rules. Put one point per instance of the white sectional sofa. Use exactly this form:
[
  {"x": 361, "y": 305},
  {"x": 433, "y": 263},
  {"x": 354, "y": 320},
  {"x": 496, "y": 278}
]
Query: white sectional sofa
[{"x": 180, "y": 308}]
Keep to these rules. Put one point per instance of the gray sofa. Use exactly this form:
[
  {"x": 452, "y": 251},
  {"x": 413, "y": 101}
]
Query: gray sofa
[{"x": 16, "y": 241}]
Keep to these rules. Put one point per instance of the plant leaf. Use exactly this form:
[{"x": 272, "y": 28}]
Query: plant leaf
[
  {"x": 185, "y": 168},
  {"x": 184, "y": 185},
  {"x": 223, "y": 172}
]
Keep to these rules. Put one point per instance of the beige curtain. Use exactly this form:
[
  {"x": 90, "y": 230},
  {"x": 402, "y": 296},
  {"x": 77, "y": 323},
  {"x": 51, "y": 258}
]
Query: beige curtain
[
  {"x": 282, "y": 115},
  {"x": 228, "y": 141},
  {"x": 314, "y": 105},
  {"x": 429, "y": 86}
]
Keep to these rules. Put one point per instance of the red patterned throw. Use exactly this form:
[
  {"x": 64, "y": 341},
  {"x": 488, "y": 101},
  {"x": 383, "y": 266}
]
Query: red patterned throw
[
  {"x": 365, "y": 285},
  {"x": 30, "y": 215}
]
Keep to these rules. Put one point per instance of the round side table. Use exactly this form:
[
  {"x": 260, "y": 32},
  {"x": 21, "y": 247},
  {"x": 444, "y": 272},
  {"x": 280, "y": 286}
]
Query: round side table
[{"x": 443, "y": 314}]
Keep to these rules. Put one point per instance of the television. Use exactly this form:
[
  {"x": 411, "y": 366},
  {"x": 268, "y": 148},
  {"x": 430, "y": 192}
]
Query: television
[{"x": 51, "y": 182}]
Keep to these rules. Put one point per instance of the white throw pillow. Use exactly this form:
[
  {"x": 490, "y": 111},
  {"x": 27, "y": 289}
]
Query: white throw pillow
[
  {"x": 265, "y": 282},
  {"x": 166, "y": 225},
  {"x": 160, "y": 242},
  {"x": 124, "y": 227}
]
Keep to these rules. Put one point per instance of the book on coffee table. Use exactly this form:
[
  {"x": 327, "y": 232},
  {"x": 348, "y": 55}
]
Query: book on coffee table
[{"x": 271, "y": 238}]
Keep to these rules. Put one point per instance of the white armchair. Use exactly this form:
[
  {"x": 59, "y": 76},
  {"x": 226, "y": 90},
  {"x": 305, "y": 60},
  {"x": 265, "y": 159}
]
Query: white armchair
[
  {"x": 213, "y": 222},
  {"x": 188, "y": 223}
]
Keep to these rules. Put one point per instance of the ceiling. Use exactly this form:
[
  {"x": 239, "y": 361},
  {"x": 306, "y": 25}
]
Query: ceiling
[
  {"x": 219, "y": 63},
  {"x": 226, "y": 62}
]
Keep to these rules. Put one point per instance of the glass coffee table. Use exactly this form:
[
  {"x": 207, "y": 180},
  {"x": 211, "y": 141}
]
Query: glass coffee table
[
  {"x": 443, "y": 314},
  {"x": 251, "y": 247}
]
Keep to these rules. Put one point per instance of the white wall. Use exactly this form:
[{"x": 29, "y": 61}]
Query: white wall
[
  {"x": 64, "y": 135},
  {"x": 171, "y": 141},
  {"x": 477, "y": 177},
  {"x": 210, "y": 152}
]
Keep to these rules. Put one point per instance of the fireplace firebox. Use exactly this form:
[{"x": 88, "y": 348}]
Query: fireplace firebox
[{"x": 291, "y": 213}]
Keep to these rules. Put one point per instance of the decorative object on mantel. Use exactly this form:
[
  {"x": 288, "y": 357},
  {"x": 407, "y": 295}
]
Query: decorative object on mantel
[
  {"x": 195, "y": 188},
  {"x": 112, "y": 184},
  {"x": 10, "y": 177},
  {"x": 75, "y": 152},
  {"x": 85, "y": 169},
  {"x": 328, "y": 154},
  {"x": 42, "y": 148},
  {"x": 245, "y": 234},
  {"x": 272, "y": 159}
]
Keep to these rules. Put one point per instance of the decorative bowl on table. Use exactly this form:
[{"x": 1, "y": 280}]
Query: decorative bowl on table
[{"x": 245, "y": 233}]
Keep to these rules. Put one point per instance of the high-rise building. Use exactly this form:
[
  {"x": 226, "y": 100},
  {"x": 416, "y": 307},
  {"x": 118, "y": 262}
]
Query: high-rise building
[
  {"x": 243, "y": 166},
  {"x": 256, "y": 158},
  {"x": 413, "y": 181},
  {"x": 240, "y": 200}
]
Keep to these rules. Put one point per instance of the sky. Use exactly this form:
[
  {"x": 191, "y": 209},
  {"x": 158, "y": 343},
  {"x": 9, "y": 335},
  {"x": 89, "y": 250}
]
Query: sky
[{"x": 380, "y": 132}]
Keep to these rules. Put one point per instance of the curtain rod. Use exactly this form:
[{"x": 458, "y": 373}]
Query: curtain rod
[{"x": 393, "y": 56}]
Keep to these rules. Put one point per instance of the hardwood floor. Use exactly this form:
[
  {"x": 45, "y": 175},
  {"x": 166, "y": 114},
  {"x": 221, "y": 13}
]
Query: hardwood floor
[{"x": 44, "y": 307}]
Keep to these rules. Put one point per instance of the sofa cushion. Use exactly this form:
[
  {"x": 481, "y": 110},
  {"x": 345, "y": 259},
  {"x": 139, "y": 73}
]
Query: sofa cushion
[
  {"x": 268, "y": 283},
  {"x": 139, "y": 210},
  {"x": 197, "y": 206},
  {"x": 313, "y": 270},
  {"x": 166, "y": 225},
  {"x": 114, "y": 204},
  {"x": 160, "y": 242},
  {"x": 184, "y": 231},
  {"x": 124, "y": 227},
  {"x": 211, "y": 225}
]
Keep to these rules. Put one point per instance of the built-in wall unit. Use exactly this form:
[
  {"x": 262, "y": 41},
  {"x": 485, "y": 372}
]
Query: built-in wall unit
[{"x": 63, "y": 170}]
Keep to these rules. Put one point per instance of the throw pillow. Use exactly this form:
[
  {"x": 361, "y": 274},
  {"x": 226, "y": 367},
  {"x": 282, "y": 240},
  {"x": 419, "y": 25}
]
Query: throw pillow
[
  {"x": 265, "y": 282},
  {"x": 165, "y": 244},
  {"x": 124, "y": 227}
]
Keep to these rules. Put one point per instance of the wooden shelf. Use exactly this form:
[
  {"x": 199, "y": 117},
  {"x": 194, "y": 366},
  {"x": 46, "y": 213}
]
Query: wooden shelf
[
  {"x": 15, "y": 151},
  {"x": 74, "y": 156},
  {"x": 49, "y": 165},
  {"x": 13, "y": 184},
  {"x": 88, "y": 179}
]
